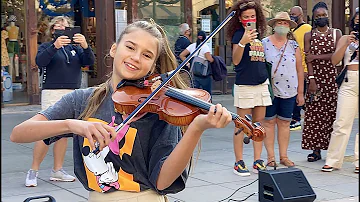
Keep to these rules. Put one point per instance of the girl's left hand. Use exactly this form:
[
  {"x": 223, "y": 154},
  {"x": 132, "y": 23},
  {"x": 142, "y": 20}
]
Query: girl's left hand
[
  {"x": 218, "y": 119},
  {"x": 79, "y": 38},
  {"x": 300, "y": 100}
]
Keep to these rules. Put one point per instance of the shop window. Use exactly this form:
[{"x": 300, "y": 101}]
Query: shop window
[
  {"x": 167, "y": 13},
  {"x": 13, "y": 52}
]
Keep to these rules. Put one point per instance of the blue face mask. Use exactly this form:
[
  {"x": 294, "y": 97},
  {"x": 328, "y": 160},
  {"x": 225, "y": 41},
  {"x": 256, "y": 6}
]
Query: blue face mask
[{"x": 282, "y": 30}]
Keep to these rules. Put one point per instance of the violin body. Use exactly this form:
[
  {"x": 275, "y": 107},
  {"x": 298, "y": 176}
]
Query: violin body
[{"x": 171, "y": 110}]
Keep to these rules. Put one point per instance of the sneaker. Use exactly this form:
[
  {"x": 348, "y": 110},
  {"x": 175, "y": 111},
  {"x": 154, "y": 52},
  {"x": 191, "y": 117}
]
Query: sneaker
[
  {"x": 61, "y": 175},
  {"x": 295, "y": 125},
  {"x": 31, "y": 178},
  {"x": 327, "y": 168},
  {"x": 356, "y": 170},
  {"x": 258, "y": 165},
  {"x": 241, "y": 169}
]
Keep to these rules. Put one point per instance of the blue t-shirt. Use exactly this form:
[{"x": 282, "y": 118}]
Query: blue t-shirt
[
  {"x": 252, "y": 68},
  {"x": 131, "y": 162}
]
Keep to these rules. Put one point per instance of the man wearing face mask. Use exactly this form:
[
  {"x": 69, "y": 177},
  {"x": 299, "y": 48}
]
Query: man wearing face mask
[
  {"x": 296, "y": 15},
  {"x": 321, "y": 95}
]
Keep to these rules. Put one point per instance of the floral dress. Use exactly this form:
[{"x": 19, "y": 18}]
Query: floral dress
[{"x": 320, "y": 110}]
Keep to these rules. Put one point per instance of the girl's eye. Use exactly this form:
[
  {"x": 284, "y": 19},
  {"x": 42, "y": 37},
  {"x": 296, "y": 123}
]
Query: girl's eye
[
  {"x": 147, "y": 55},
  {"x": 130, "y": 47}
]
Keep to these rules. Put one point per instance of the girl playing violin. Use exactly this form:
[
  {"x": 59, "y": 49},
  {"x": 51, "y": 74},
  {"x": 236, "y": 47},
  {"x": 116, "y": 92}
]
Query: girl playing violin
[{"x": 147, "y": 158}]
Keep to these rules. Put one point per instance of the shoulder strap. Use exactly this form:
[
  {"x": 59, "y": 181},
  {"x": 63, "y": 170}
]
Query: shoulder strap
[
  {"x": 334, "y": 35},
  {"x": 282, "y": 54}
]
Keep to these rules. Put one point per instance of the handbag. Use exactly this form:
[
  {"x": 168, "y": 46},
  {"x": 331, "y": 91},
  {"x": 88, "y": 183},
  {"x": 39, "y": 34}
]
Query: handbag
[
  {"x": 200, "y": 67},
  {"x": 271, "y": 77},
  {"x": 340, "y": 77}
]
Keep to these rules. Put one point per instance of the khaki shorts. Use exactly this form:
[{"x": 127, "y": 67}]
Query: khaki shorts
[
  {"x": 50, "y": 97},
  {"x": 125, "y": 196},
  {"x": 248, "y": 97}
]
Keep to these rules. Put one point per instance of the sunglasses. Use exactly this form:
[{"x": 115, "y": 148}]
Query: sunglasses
[{"x": 242, "y": 6}]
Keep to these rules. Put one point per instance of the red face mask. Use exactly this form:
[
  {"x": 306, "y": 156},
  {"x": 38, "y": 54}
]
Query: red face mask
[{"x": 244, "y": 22}]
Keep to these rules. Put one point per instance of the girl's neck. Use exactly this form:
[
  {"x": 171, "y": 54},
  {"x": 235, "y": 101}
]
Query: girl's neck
[
  {"x": 114, "y": 82},
  {"x": 322, "y": 29}
]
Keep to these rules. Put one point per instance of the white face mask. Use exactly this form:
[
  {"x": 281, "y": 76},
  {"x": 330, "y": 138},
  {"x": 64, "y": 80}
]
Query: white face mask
[{"x": 282, "y": 30}]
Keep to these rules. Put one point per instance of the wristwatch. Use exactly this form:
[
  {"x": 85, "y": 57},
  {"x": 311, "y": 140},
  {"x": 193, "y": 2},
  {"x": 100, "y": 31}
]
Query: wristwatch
[
  {"x": 311, "y": 77},
  {"x": 242, "y": 46}
]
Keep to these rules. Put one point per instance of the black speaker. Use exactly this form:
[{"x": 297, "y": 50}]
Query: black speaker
[{"x": 284, "y": 184}]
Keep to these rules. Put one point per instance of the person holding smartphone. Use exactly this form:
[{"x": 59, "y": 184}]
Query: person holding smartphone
[
  {"x": 60, "y": 63},
  {"x": 251, "y": 93}
]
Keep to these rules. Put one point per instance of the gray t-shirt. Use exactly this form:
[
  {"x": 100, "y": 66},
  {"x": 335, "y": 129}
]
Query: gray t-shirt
[
  {"x": 285, "y": 82},
  {"x": 131, "y": 163}
]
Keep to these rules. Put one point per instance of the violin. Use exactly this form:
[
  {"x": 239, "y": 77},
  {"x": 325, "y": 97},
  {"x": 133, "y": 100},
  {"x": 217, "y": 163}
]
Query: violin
[
  {"x": 187, "y": 104},
  {"x": 177, "y": 106}
]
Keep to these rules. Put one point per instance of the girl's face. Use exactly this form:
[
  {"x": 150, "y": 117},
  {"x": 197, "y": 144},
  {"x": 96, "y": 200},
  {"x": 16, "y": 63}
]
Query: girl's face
[
  {"x": 134, "y": 56},
  {"x": 320, "y": 13},
  {"x": 249, "y": 14}
]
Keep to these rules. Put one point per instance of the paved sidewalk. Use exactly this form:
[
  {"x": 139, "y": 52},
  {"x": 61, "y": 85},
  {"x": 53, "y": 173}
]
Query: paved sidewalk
[{"x": 211, "y": 180}]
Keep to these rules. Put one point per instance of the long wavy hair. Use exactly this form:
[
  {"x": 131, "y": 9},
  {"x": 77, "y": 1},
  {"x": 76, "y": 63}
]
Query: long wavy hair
[
  {"x": 165, "y": 62},
  {"x": 234, "y": 23}
]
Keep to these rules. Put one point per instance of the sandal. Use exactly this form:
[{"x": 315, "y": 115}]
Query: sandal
[
  {"x": 271, "y": 162},
  {"x": 327, "y": 168},
  {"x": 286, "y": 162},
  {"x": 315, "y": 156}
]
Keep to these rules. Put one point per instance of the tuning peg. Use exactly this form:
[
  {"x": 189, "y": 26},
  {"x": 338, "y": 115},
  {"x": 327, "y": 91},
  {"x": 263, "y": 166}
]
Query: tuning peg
[
  {"x": 248, "y": 117},
  {"x": 246, "y": 140},
  {"x": 239, "y": 131},
  {"x": 257, "y": 124}
]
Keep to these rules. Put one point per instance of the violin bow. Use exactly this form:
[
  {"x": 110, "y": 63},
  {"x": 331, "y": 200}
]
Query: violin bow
[{"x": 147, "y": 100}]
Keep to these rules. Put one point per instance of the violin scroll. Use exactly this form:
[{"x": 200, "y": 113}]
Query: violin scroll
[{"x": 254, "y": 131}]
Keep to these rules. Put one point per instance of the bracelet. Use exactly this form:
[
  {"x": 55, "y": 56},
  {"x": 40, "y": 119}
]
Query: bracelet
[
  {"x": 242, "y": 46},
  {"x": 311, "y": 77}
]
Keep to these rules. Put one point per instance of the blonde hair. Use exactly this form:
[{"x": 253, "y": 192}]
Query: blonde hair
[
  {"x": 165, "y": 61},
  {"x": 56, "y": 20}
]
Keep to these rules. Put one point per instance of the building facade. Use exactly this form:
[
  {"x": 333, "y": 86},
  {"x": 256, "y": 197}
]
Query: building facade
[{"x": 103, "y": 20}]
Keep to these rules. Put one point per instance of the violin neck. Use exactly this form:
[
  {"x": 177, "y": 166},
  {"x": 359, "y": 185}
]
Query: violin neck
[{"x": 177, "y": 94}]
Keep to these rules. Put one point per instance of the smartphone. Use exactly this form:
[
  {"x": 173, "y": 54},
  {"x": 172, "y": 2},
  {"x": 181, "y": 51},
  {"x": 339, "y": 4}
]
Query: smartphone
[
  {"x": 251, "y": 25},
  {"x": 69, "y": 32}
]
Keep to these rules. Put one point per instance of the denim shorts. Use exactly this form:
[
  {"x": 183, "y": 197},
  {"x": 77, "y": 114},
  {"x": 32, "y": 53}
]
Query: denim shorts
[{"x": 281, "y": 108}]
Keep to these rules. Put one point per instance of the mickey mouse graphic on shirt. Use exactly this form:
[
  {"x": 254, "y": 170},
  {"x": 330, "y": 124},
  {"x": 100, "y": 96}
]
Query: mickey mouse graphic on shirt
[{"x": 102, "y": 173}]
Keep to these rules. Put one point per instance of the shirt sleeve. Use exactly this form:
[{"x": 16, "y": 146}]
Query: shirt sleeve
[
  {"x": 237, "y": 37},
  {"x": 190, "y": 48},
  {"x": 163, "y": 144},
  {"x": 61, "y": 110}
]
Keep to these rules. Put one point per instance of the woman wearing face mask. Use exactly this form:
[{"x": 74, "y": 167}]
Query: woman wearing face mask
[
  {"x": 321, "y": 96},
  {"x": 251, "y": 93},
  {"x": 287, "y": 75},
  {"x": 348, "y": 100}
]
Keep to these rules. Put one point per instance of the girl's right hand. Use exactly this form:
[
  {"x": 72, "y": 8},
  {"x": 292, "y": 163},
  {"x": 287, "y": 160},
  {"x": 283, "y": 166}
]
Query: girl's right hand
[
  {"x": 97, "y": 131},
  {"x": 248, "y": 36},
  {"x": 312, "y": 86},
  {"x": 62, "y": 41}
]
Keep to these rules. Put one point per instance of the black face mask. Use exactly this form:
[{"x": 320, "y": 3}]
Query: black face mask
[
  {"x": 322, "y": 22},
  {"x": 294, "y": 18}
]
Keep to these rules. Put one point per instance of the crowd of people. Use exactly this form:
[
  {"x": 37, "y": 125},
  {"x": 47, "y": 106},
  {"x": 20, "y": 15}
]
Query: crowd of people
[{"x": 277, "y": 75}]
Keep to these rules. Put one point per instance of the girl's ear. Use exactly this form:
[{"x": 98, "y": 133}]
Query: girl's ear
[{"x": 113, "y": 50}]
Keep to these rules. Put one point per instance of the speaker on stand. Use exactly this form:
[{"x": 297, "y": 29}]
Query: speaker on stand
[{"x": 284, "y": 185}]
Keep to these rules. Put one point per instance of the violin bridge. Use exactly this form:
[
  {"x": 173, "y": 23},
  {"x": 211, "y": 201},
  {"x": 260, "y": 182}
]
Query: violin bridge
[{"x": 155, "y": 85}]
